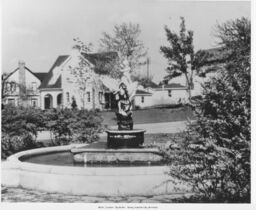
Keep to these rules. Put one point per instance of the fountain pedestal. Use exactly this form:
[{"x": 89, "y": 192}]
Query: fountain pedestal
[{"x": 125, "y": 138}]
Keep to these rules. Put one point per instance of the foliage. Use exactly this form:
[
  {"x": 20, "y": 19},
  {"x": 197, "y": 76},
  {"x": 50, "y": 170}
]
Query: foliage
[
  {"x": 19, "y": 129},
  {"x": 182, "y": 59},
  {"x": 87, "y": 126},
  {"x": 125, "y": 41},
  {"x": 20, "y": 120},
  {"x": 20, "y": 126},
  {"x": 215, "y": 155},
  {"x": 144, "y": 80},
  {"x": 13, "y": 144},
  {"x": 73, "y": 125}
]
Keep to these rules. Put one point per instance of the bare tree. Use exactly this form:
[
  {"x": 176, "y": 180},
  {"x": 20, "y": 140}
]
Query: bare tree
[{"x": 125, "y": 41}]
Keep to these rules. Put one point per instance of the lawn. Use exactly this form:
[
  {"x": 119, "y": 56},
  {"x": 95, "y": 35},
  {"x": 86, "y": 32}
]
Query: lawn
[{"x": 152, "y": 115}]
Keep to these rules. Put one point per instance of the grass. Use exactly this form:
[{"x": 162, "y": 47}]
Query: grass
[{"x": 152, "y": 115}]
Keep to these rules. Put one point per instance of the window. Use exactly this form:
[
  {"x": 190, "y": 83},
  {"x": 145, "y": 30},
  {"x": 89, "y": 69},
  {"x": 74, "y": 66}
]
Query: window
[
  {"x": 11, "y": 101},
  {"x": 34, "y": 86},
  {"x": 100, "y": 97},
  {"x": 68, "y": 98},
  {"x": 34, "y": 102},
  {"x": 13, "y": 87},
  {"x": 88, "y": 97},
  {"x": 8, "y": 86},
  {"x": 142, "y": 99},
  {"x": 169, "y": 93}
]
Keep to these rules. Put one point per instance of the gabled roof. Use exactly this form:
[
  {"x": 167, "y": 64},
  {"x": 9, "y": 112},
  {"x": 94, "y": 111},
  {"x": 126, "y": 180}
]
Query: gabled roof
[
  {"x": 102, "y": 61},
  {"x": 99, "y": 60},
  {"x": 39, "y": 75},
  {"x": 57, "y": 84},
  {"x": 96, "y": 57}
]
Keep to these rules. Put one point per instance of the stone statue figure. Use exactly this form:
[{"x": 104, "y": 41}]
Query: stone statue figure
[{"x": 124, "y": 97}]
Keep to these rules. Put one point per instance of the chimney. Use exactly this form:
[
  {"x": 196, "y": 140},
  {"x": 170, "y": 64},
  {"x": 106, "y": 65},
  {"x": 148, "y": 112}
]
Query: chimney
[
  {"x": 76, "y": 49},
  {"x": 22, "y": 77}
]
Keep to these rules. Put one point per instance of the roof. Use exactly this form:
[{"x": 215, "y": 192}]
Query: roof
[
  {"x": 39, "y": 75},
  {"x": 171, "y": 86},
  {"x": 96, "y": 57},
  {"x": 150, "y": 84},
  {"x": 142, "y": 92},
  {"x": 99, "y": 60},
  {"x": 57, "y": 84},
  {"x": 102, "y": 61},
  {"x": 174, "y": 85}
]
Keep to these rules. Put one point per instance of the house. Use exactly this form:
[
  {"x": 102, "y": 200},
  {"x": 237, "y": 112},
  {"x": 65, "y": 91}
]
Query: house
[
  {"x": 78, "y": 77},
  {"x": 83, "y": 78},
  {"x": 21, "y": 86},
  {"x": 157, "y": 95}
]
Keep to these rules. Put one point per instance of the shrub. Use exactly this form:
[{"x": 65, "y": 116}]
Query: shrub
[
  {"x": 215, "y": 154},
  {"x": 73, "y": 125},
  {"x": 20, "y": 120},
  {"x": 19, "y": 129},
  {"x": 13, "y": 144},
  {"x": 87, "y": 126}
]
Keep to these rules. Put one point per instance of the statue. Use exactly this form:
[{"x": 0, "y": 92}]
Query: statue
[{"x": 124, "y": 97}]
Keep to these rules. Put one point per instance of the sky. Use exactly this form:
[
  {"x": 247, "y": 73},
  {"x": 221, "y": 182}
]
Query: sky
[{"x": 38, "y": 31}]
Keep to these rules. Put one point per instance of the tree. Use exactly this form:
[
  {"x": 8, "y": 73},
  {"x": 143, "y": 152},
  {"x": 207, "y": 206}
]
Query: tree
[
  {"x": 145, "y": 81},
  {"x": 182, "y": 59},
  {"x": 83, "y": 73},
  {"x": 125, "y": 41},
  {"x": 215, "y": 155}
]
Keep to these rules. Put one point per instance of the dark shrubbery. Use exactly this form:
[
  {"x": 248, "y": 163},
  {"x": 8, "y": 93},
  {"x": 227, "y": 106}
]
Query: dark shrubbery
[
  {"x": 74, "y": 125},
  {"x": 14, "y": 144},
  {"x": 20, "y": 126},
  {"x": 215, "y": 155},
  {"x": 19, "y": 129}
]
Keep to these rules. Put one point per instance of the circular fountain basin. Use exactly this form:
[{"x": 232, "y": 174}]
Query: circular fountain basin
[{"x": 85, "y": 180}]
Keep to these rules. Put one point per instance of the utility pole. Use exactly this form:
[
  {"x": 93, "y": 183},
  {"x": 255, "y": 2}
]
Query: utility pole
[
  {"x": 148, "y": 68},
  {"x": 148, "y": 72}
]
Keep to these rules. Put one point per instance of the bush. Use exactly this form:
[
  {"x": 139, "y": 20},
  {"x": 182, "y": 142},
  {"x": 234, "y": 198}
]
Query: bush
[
  {"x": 215, "y": 155},
  {"x": 73, "y": 125},
  {"x": 21, "y": 120},
  {"x": 19, "y": 129},
  {"x": 87, "y": 126},
  {"x": 13, "y": 144}
]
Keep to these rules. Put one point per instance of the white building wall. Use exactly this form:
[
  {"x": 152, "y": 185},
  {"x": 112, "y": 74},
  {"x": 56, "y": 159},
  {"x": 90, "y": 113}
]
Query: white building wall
[
  {"x": 71, "y": 87},
  {"x": 142, "y": 103},
  {"x": 30, "y": 79},
  {"x": 161, "y": 97}
]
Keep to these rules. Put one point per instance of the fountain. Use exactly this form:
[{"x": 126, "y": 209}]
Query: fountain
[
  {"x": 125, "y": 144},
  {"x": 121, "y": 167}
]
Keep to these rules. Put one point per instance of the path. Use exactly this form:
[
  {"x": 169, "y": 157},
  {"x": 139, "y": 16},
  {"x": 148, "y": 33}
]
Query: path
[
  {"x": 25, "y": 195},
  {"x": 166, "y": 127}
]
